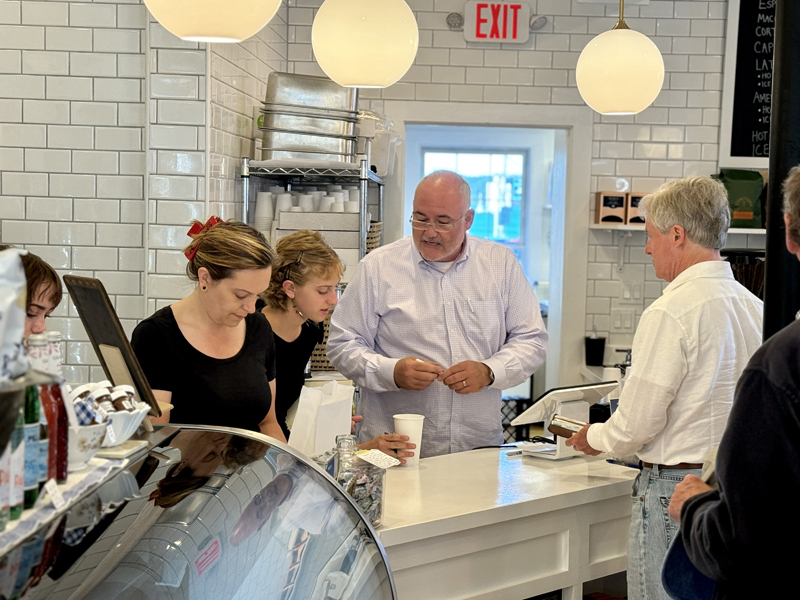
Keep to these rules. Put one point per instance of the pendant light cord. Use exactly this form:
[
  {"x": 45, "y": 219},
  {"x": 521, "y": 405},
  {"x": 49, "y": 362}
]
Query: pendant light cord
[{"x": 621, "y": 23}]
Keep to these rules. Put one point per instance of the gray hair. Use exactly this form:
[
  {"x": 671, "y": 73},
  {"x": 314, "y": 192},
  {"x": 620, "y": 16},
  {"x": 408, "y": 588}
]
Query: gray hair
[
  {"x": 791, "y": 202},
  {"x": 698, "y": 204}
]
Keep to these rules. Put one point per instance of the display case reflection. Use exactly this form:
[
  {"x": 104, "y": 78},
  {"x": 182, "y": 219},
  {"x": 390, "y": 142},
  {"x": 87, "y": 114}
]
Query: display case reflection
[{"x": 214, "y": 515}]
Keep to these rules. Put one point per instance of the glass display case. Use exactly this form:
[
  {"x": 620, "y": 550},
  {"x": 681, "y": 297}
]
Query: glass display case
[{"x": 204, "y": 513}]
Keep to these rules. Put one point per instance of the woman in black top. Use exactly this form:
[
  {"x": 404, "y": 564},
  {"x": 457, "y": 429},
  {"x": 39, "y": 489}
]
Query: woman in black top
[
  {"x": 211, "y": 355},
  {"x": 301, "y": 295}
]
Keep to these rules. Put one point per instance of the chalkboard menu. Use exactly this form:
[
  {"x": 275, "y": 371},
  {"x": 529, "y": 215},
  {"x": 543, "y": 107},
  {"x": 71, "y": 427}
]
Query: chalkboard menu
[{"x": 748, "y": 84}]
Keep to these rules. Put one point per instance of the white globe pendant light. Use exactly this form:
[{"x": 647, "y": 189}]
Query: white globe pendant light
[
  {"x": 213, "y": 20},
  {"x": 365, "y": 43},
  {"x": 620, "y": 72}
]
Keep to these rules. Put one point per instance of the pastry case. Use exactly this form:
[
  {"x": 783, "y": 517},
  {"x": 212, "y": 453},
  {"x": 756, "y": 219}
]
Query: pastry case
[{"x": 203, "y": 513}]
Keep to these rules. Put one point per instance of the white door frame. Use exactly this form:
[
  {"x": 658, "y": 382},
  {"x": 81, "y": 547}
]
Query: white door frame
[{"x": 570, "y": 250}]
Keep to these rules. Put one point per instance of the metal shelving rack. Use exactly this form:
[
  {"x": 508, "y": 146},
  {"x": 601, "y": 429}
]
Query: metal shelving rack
[{"x": 311, "y": 175}]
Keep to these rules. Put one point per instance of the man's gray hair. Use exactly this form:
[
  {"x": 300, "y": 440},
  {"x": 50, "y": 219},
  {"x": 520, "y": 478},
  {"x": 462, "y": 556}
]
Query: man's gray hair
[
  {"x": 698, "y": 204},
  {"x": 791, "y": 202}
]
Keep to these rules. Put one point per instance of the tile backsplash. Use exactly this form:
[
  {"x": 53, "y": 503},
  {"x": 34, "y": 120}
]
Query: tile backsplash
[{"x": 114, "y": 133}]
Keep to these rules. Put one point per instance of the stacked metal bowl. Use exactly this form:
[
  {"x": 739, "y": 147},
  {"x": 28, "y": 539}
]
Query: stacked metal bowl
[{"x": 307, "y": 117}]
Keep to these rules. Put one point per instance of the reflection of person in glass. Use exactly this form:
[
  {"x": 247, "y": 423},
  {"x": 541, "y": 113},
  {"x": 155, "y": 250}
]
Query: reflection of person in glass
[{"x": 303, "y": 503}]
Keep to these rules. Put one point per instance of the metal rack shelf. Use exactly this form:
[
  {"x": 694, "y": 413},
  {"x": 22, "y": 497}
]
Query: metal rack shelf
[{"x": 364, "y": 176}]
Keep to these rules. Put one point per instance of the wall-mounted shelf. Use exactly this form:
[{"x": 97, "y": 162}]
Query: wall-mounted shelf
[{"x": 615, "y": 227}]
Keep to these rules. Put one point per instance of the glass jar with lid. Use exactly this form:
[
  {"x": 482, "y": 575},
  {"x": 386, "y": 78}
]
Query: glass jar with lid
[{"x": 363, "y": 481}]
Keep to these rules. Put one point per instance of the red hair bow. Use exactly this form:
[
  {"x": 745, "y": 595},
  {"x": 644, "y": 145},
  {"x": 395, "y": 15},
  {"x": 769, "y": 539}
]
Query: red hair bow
[{"x": 196, "y": 230}]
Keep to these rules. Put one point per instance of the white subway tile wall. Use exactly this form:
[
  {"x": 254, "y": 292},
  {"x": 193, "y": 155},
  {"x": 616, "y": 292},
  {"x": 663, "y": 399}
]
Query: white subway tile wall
[
  {"x": 70, "y": 72},
  {"x": 676, "y": 137},
  {"x": 73, "y": 149},
  {"x": 239, "y": 75}
]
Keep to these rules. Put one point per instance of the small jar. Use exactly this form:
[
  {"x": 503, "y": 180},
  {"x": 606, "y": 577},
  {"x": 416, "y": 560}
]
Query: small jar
[
  {"x": 130, "y": 390},
  {"x": 121, "y": 402},
  {"x": 81, "y": 392},
  {"x": 365, "y": 482}
]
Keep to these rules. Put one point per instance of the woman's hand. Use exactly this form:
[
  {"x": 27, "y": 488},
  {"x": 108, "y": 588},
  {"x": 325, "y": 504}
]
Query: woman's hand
[{"x": 393, "y": 444}]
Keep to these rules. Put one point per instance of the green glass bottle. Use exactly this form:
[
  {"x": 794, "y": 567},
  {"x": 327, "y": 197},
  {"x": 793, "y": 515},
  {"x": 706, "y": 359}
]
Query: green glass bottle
[{"x": 31, "y": 432}]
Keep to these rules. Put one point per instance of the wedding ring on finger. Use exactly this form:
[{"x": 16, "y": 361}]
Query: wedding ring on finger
[{"x": 465, "y": 383}]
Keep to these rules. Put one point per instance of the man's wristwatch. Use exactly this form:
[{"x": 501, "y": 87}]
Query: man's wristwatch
[{"x": 491, "y": 375}]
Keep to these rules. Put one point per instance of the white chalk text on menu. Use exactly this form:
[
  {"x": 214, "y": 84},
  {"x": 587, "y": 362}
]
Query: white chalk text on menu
[{"x": 747, "y": 86}]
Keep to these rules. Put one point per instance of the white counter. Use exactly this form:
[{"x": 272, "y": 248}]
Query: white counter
[{"x": 480, "y": 525}]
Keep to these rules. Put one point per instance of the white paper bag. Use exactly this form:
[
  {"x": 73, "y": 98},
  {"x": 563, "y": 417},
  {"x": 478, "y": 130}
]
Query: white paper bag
[{"x": 322, "y": 414}]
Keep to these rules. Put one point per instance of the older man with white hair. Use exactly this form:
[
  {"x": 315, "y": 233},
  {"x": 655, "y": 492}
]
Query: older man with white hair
[{"x": 689, "y": 349}]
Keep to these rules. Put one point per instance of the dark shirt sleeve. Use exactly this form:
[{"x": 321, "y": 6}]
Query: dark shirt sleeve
[
  {"x": 149, "y": 343},
  {"x": 732, "y": 535}
]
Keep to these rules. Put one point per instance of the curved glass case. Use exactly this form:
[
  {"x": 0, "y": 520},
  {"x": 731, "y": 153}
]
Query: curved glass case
[{"x": 206, "y": 513}]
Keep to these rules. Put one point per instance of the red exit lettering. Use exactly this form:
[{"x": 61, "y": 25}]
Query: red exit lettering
[{"x": 500, "y": 20}]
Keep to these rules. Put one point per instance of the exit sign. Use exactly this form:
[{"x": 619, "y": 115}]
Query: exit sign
[{"x": 505, "y": 22}]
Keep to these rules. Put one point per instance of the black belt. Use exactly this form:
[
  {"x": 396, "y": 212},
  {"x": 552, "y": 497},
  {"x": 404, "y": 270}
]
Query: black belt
[{"x": 678, "y": 466}]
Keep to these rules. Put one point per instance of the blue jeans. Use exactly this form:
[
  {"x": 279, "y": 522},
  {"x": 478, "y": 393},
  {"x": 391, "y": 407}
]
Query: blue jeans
[{"x": 652, "y": 530}]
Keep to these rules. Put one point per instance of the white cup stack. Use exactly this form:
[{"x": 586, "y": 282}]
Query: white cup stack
[
  {"x": 354, "y": 195},
  {"x": 334, "y": 188},
  {"x": 325, "y": 203},
  {"x": 317, "y": 196},
  {"x": 276, "y": 189},
  {"x": 337, "y": 206},
  {"x": 264, "y": 213},
  {"x": 351, "y": 206},
  {"x": 296, "y": 209},
  {"x": 283, "y": 203},
  {"x": 306, "y": 202}
]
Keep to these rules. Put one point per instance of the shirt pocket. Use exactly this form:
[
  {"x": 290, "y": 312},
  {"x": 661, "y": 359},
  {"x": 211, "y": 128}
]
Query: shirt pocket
[{"x": 483, "y": 322}]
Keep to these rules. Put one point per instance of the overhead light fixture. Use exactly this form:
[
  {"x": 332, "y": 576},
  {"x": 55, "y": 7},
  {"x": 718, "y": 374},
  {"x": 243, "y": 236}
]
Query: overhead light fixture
[
  {"x": 365, "y": 43},
  {"x": 226, "y": 21},
  {"x": 620, "y": 72}
]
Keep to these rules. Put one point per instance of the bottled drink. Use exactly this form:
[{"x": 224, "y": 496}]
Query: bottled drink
[
  {"x": 49, "y": 362},
  {"x": 31, "y": 445},
  {"x": 5, "y": 487},
  {"x": 17, "y": 484},
  {"x": 44, "y": 447}
]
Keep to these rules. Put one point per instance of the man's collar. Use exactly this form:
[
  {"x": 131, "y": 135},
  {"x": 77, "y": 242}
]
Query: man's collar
[{"x": 704, "y": 269}]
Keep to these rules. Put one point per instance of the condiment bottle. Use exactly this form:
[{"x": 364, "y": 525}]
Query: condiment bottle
[
  {"x": 363, "y": 481},
  {"x": 17, "y": 500},
  {"x": 120, "y": 401},
  {"x": 81, "y": 392},
  {"x": 31, "y": 432},
  {"x": 128, "y": 389}
]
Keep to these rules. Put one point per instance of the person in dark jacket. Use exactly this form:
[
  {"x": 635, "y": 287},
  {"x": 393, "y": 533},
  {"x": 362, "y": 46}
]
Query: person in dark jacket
[{"x": 744, "y": 535}]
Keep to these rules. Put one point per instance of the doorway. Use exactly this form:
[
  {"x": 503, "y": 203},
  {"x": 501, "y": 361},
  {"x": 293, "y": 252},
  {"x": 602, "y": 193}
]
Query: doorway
[{"x": 517, "y": 178}]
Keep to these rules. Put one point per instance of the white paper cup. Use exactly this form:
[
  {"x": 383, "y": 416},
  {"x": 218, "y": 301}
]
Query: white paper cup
[
  {"x": 337, "y": 206},
  {"x": 296, "y": 209},
  {"x": 306, "y": 202},
  {"x": 354, "y": 194},
  {"x": 283, "y": 203},
  {"x": 410, "y": 425},
  {"x": 350, "y": 206},
  {"x": 325, "y": 203},
  {"x": 264, "y": 207},
  {"x": 276, "y": 189}
]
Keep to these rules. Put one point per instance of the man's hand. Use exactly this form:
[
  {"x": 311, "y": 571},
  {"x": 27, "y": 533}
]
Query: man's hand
[
  {"x": 580, "y": 443},
  {"x": 354, "y": 420},
  {"x": 395, "y": 445},
  {"x": 690, "y": 486},
  {"x": 412, "y": 373},
  {"x": 466, "y": 377}
]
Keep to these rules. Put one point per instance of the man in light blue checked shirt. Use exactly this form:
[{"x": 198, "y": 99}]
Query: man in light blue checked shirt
[{"x": 438, "y": 324}]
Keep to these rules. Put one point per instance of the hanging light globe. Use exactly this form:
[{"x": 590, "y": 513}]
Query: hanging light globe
[
  {"x": 620, "y": 72},
  {"x": 365, "y": 43},
  {"x": 216, "y": 21}
]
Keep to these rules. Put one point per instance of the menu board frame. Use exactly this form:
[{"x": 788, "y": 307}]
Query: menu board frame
[{"x": 726, "y": 159}]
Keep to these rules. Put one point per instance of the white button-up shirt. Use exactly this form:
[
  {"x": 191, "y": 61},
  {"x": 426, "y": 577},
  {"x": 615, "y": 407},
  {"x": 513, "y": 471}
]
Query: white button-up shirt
[
  {"x": 400, "y": 305},
  {"x": 690, "y": 348}
]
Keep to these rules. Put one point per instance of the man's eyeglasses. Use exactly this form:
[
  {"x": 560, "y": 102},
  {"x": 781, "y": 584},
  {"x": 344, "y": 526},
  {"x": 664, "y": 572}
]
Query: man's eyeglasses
[
  {"x": 437, "y": 227},
  {"x": 296, "y": 263}
]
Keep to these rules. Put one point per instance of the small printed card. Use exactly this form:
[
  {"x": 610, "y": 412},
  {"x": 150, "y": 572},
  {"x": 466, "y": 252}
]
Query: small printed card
[
  {"x": 377, "y": 458},
  {"x": 55, "y": 494}
]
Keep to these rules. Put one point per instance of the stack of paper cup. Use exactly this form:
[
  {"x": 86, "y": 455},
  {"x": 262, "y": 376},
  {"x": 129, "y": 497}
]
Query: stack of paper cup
[
  {"x": 325, "y": 203},
  {"x": 306, "y": 202},
  {"x": 283, "y": 203},
  {"x": 317, "y": 196},
  {"x": 264, "y": 212},
  {"x": 276, "y": 189},
  {"x": 337, "y": 206},
  {"x": 410, "y": 425},
  {"x": 351, "y": 206}
]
